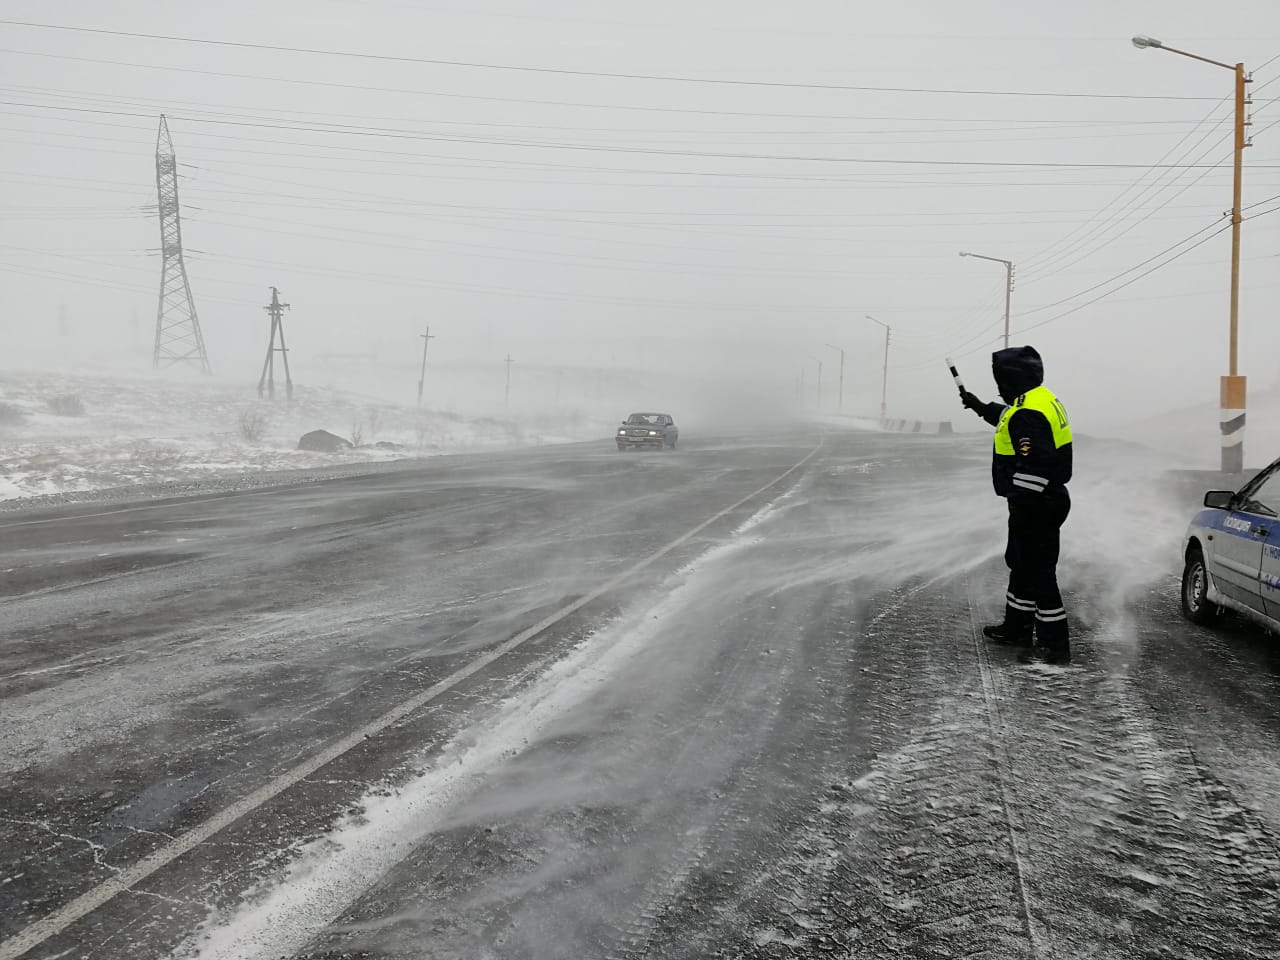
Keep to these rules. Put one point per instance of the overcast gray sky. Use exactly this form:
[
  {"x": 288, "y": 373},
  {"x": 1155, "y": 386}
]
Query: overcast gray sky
[{"x": 649, "y": 221}]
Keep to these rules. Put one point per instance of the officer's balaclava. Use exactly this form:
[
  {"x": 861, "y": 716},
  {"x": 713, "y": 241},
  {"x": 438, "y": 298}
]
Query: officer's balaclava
[{"x": 1016, "y": 370}]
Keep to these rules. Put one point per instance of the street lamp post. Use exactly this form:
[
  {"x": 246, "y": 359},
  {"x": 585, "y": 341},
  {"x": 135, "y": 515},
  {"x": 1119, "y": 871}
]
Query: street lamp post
[
  {"x": 1232, "y": 387},
  {"x": 1008, "y": 285},
  {"x": 840, "y": 401},
  {"x": 884, "y": 376}
]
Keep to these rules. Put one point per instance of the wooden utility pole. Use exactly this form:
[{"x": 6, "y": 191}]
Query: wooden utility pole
[
  {"x": 426, "y": 340},
  {"x": 267, "y": 382},
  {"x": 840, "y": 395}
]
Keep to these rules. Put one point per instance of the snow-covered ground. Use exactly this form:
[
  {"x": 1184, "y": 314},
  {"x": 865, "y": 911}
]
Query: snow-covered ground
[
  {"x": 1192, "y": 433},
  {"x": 62, "y": 433}
]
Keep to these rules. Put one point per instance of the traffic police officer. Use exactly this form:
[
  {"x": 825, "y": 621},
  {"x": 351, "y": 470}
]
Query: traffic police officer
[{"x": 1031, "y": 468}]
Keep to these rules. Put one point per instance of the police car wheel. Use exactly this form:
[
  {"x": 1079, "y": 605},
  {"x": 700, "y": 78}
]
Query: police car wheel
[{"x": 1196, "y": 605}]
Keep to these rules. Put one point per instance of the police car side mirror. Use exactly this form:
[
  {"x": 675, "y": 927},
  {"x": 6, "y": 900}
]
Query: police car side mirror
[{"x": 1219, "y": 499}]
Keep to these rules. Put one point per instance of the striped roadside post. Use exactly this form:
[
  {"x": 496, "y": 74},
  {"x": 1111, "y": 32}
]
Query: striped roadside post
[{"x": 1231, "y": 420}]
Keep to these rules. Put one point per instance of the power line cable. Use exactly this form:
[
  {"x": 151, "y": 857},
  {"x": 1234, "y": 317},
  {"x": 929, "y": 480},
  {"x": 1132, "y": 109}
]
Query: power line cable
[
  {"x": 487, "y": 163},
  {"x": 1087, "y": 290},
  {"x": 1076, "y": 245},
  {"x": 257, "y": 113},
  {"x": 558, "y": 71},
  {"x": 1068, "y": 239},
  {"x": 1086, "y": 254},
  {"x": 1127, "y": 283},
  {"x": 525, "y": 101},
  {"x": 348, "y": 130},
  {"x": 1140, "y": 220}
]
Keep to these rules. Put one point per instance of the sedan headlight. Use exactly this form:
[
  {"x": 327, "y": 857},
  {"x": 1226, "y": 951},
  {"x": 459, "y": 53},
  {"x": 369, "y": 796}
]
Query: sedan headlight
[
  {"x": 622, "y": 433},
  {"x": 653, "y": 433}
]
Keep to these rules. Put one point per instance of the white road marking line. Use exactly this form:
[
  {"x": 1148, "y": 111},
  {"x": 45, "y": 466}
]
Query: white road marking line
[{"x": 62, "y": 918}]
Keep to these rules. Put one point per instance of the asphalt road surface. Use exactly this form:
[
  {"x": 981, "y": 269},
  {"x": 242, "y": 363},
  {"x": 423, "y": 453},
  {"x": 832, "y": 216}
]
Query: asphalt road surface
[{"x": 723, "y": 701}]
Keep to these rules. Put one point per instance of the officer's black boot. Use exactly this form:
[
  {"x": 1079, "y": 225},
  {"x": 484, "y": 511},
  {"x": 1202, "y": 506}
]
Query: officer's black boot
[
  {"x": 1018, "y": 624},
  {"x": 1052, "y": 645},
  {"x": 1005, "y": 635}
]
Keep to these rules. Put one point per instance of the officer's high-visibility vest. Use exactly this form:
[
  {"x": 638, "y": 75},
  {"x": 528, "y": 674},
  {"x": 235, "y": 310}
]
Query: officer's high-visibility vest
[{"x": 1042, "y": 400}]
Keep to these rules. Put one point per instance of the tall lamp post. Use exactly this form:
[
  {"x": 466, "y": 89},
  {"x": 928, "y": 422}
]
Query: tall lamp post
[
  {"x": 840, "y": 401},
  {"x": 884, "y": 376},
  {"x": 1008, "y": 285},
  {"x": 1232, "y": 387}
]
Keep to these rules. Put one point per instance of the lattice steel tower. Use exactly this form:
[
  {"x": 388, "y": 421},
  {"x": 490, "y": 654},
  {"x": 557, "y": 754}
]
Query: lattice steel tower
[{"x": 178, "y": 337}]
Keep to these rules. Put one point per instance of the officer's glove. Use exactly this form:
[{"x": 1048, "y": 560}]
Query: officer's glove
[{"x": 971, "y": 402}]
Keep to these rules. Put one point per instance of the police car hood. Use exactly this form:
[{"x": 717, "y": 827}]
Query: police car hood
[{"x": 1016, "y": 370}]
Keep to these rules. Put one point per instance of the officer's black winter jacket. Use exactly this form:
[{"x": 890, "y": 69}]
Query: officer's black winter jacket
[{"x": 1017, "y": 370}]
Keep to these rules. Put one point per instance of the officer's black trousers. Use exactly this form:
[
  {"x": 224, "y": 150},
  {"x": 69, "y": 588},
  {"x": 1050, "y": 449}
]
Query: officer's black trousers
[{"x": 1034, "y": 602}]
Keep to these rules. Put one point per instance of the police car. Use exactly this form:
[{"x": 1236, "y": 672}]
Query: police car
[{"x": 1232, "y": 553}]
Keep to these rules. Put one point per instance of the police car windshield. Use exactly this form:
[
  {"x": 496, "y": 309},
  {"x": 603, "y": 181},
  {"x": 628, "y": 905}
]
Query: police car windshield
[{"x": 1266, "y": 499}]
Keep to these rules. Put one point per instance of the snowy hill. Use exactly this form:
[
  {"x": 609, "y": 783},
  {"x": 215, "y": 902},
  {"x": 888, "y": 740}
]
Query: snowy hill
[
  {"x": 1192, "y": 433},
  {"x": 63, "y": 432}
]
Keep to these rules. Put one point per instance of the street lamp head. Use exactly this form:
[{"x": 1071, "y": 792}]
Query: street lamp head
[
  {"x": 964, "y": 253},
  {"x": 1143, "y": 42}
]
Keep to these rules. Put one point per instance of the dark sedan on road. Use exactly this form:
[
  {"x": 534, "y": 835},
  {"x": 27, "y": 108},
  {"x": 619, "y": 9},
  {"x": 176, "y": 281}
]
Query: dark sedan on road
[{"x": 648, "y": 430}]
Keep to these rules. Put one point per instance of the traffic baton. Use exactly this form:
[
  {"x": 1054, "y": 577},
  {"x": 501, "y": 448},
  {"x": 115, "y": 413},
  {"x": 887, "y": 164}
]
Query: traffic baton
[{"x": 955, "y": 374}]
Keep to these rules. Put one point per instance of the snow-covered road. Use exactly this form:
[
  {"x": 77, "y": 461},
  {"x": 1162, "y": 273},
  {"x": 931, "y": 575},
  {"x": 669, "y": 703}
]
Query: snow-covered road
[{"x": 722, "y": 701}]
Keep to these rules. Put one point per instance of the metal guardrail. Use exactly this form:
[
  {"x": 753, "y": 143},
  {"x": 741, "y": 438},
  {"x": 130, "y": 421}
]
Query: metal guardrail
[{"x": 937, "y": 427}]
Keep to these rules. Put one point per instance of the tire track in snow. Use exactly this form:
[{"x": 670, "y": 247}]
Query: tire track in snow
[
  {"x": 331, "y": 872},
  {"x": 1138, "y": 851},
  {"x": 704, "y": 911},
  {"x": 1000, "y": 732},
  {"x": 888, "y": 857},
  {"x": 719, "y": 821},
  {"x": 949, "y": 865},
  {"x": 791, "y": 912},
  {"x": 758, "y": 830},
  {"x": 708, "y": 833}
]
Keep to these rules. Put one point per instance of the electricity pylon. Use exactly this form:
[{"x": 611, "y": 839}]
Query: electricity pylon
[{"x": 178, "y": 337}]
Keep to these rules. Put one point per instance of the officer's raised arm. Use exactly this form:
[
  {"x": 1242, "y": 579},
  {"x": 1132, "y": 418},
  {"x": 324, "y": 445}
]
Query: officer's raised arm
[{"x": 990, "y": 412}]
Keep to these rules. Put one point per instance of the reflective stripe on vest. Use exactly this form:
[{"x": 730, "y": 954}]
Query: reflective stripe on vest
[{"x": 1042, "y": 400}]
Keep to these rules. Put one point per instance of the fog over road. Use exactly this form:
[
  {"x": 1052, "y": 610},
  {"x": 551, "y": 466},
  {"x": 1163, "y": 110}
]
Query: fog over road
[{"x": 727, "y": 700}]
